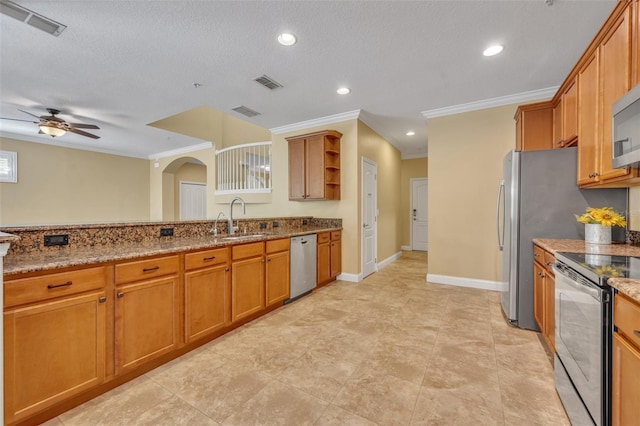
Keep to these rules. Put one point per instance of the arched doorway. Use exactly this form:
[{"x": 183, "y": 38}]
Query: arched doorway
[{"x": 184, "y": 183}]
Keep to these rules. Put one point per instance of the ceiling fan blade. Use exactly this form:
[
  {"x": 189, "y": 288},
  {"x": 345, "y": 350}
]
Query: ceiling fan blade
[
  {"x": 17, "y": 119},
  {"x": 80, "y": 132},
  {"x": 83, "y": 126},
  {"x": 27, "y": 112}
]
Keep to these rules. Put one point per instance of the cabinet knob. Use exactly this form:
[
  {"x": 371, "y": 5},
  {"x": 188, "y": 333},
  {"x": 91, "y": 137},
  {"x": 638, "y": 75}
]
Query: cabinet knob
[
  {"x": 226, "y": 269},
  {"x": 268, "y": 260},
  {"x": 120, "y": 295},
  {"x": 102, "y": 299}
]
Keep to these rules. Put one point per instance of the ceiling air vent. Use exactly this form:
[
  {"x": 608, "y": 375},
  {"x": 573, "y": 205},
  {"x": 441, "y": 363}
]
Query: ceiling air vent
[
  {"x": 246, "y": 111},
  {"x": 29, "y": 17},
  {"x": 268, "y": 82}
]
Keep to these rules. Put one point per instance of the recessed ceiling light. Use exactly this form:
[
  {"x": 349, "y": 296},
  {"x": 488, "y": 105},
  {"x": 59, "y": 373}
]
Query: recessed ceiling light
[
  {"x": 492, "y": 50},
  {"x": 287, "y": 39},
  {"x": 411, "y": 133},
  {"x": 343, "y": 91}
]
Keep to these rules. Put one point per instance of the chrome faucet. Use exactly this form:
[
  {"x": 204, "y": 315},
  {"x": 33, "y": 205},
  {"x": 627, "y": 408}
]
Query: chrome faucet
[
  {"x": 232, "y": 229},
  {"x": 214, "y": 231}
]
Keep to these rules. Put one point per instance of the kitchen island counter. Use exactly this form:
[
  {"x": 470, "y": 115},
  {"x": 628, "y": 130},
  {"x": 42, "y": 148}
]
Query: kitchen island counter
[{"x": 627, "y": 286}]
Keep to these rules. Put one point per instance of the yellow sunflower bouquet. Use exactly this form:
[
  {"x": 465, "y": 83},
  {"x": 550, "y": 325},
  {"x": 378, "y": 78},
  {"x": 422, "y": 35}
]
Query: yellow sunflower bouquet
[{"x": 604, "y": 216}]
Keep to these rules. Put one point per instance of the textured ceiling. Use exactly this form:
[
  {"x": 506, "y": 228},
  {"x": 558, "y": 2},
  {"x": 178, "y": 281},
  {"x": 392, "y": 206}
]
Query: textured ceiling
[{"x": 124, "y": 64}]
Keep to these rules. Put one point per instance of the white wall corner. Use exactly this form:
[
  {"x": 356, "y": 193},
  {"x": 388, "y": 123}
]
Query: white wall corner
[{"x": 466, "y": 282}]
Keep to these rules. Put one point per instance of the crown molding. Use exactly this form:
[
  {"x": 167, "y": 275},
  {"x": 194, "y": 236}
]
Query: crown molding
[
  {"x": 533, "y": 95},
  {"x": 336, "y": 118},
  {"x": 179, "y": 151},
  {"x": 413, "y": 156}
]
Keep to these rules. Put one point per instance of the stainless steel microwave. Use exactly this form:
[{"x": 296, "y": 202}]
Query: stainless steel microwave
[{"x": 626, "y": 130}]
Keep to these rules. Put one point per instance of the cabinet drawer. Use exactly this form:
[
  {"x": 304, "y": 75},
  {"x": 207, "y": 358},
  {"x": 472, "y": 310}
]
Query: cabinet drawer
[
  {"x": 28, "y": 290},
  {"x": 143, "y": 269},
  {"x": 538, "y": 254},
  {"x": 324, "y": 237},
  {"x": 247, "y": 250},
  {"x": 278, "y": 245},
  {"x": 206, "y": 258},
  {"x": 626, "y": 317},
  {"x": 549, "y": 260},
  {"x": 336, "y": 235}
]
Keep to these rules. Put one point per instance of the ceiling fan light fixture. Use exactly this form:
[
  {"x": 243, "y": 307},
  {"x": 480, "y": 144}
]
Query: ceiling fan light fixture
[{"x": 52, "y": 131}]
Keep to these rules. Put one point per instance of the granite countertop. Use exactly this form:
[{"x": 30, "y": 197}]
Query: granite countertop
[
  {"x": 627, "y": 286},
  {"x": 67, "y": 257}
]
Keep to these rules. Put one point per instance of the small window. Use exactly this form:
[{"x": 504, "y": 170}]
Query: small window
[{"x": 8, "y": 166}]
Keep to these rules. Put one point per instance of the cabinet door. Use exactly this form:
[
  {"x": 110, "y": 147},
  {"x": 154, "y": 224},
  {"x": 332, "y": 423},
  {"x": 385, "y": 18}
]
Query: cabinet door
[
  {"x": 296, "y": 170},
  {"x": 336, "y": 258},
  {"x": 587, "y": 122},
  {"x": 146, "y": 321},
  {"x": 277, "y": 277},
  {"x": 538, "y": 295},
  {"x": 247, "y": 287},
  {"x": 206, "y": 301},
  {"x": 625, "y": 385},
  {"x": 557, "y": 125},
  {"x": 315, "y": 167},
  {"x": 324, "y": 263},
  {"x": 52, "y": 351},
  {"x": 615, "y": 60},
  {"x": 570, "y": 113},
  {"x": 550, "y": 310}
]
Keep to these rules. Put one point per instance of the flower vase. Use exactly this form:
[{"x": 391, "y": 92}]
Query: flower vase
[{"x": 597, "y": 234}]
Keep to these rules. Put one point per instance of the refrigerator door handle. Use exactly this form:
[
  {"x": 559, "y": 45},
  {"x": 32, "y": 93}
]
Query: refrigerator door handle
[{"x": 500, "y": 203}]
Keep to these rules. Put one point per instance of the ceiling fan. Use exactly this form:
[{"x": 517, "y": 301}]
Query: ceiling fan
[{"x": 56, "y": 126}]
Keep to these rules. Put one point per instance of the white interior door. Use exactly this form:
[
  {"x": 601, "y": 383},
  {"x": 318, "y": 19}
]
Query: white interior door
[
  {"x": 369, "y": 217},
  {"x": 419, "y": 228},
  {"x": 193, "y": 200}
]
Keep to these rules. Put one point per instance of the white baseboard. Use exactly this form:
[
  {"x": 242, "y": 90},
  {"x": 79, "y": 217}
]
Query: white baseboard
[
  {"x": 466, "y": 282},
  {"x": 405, "y": 248},
  {"x": 352, "y": 278},
  {"x": 388, "y": 260}
]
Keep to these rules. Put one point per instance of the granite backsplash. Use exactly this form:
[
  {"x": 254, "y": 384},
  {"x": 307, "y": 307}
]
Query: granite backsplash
[{"x": 92, "y": 235}]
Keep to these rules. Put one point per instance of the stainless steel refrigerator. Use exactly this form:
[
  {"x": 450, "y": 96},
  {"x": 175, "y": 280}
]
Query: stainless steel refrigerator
[{"x": 538, "y": 198}]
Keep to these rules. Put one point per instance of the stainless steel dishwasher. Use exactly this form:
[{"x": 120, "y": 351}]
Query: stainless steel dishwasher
[{"x": 303, "y": 266}]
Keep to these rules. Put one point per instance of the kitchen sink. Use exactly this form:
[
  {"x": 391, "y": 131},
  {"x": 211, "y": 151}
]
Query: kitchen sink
[{"x": 242, "y": 236}]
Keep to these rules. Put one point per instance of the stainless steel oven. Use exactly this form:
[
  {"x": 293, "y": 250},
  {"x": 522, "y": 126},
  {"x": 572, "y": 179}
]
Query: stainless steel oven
[{"x": 583, "y": 337}]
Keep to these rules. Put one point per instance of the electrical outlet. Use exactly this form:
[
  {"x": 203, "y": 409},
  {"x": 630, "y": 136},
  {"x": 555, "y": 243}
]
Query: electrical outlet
[
  {"x": 56, "y": 240},
  {"x": 305, "y": 221},
  {"x": 166, "y": 232},
  {"x": 263, "y": 225},
  {"x": 276, "y": 224}
]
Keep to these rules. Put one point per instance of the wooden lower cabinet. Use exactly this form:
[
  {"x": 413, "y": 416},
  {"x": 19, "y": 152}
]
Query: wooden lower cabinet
[
  {"x": 247, "y": 280},
  {"x": 323, "y": 254},
  {"x": 625, "y": 384},
  {"x": 277, "y": 271},
  {"x": 146, "y": 315},
  {"x": 544, "y": 297},
  {"x": 53, "y": 351},
  {"x": 207, "y": 297},
  {"x": 336, "y": 254}
]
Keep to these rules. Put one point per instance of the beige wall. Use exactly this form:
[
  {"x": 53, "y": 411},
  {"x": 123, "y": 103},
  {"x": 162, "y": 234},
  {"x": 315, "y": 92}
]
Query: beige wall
[
  {"x": 236, "y": 131},
  {"x": 373, "y": 147},
  {"x": 465, "y": 167},
  {"x": 634, "y": 208},
  {"x": 62, "y": 185},
  {"x": 409, "y": 169}
]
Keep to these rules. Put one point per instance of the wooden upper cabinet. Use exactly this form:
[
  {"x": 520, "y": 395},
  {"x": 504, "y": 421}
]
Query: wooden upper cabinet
[
  {"x": 570, "y": 114},
  {"x": 587, "y": 122},
  {"x": 534, "y": 126},
  {"x": 558, "y": 142},
  {"x": 314, "y": 166},
  {"x": 615, "y": 70}
]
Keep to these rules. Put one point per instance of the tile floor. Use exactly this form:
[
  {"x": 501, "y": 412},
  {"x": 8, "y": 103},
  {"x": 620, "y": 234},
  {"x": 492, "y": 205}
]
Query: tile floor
[{"x": 391, "y": 350}]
